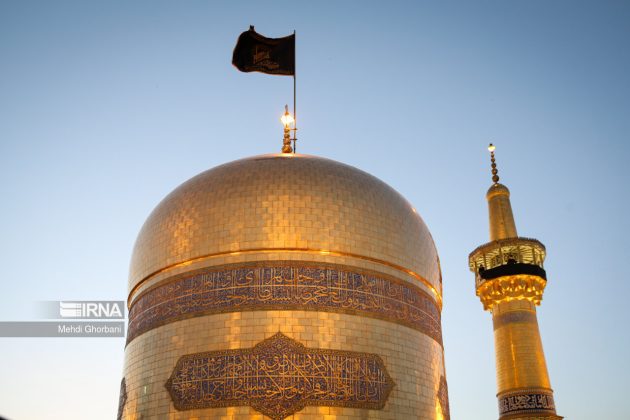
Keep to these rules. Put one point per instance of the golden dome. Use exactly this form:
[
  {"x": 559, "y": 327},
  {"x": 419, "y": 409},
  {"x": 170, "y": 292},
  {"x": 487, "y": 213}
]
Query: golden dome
[{"x": 284, "y": 206}]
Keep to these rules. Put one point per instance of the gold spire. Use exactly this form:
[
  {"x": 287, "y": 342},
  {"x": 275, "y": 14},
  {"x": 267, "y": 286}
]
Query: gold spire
[
  {"x": 287, "y": 119},
  {"x": 495, "y": 171},
  {"x": 502, "y": 224}
]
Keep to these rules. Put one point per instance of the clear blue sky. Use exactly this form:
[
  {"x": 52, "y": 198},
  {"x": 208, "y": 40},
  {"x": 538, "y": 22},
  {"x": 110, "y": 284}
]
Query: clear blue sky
[{"x": 105, "y": 107}]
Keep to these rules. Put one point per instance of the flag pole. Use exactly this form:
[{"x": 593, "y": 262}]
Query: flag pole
[{"x": 294, "y": 92}]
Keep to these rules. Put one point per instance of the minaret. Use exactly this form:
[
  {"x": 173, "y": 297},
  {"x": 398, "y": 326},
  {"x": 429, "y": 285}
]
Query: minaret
[{"x": 510, "y": 280}]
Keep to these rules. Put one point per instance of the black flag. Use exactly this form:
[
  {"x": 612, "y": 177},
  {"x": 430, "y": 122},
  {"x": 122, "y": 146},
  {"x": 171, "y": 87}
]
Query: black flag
[{"x": 254, "y": 52}]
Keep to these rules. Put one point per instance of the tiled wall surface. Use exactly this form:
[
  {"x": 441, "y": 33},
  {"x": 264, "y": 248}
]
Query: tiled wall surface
[{"x": 414, "y": 361}]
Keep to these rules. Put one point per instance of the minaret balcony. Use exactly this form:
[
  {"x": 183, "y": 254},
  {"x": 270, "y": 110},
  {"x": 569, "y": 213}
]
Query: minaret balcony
[{"x": 507, "y": 257}]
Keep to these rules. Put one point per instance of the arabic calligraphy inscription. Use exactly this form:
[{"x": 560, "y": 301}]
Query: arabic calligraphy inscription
[{"x": 278, "y": 377}]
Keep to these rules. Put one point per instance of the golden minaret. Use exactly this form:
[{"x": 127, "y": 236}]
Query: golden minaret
[{"x": 510, "y": 279}]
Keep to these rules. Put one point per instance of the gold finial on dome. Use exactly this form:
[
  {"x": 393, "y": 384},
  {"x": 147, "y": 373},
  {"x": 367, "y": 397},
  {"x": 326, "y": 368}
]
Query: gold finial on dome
[
  {"x": 287, "y": 119},
  {"x": 495, "y": 171}
]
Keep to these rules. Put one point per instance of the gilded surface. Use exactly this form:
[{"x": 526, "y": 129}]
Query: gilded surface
[
  {"x": 278, "y": 377},
  {"x": 285, "y": 214},
  {"x": 500, "y": 211},
  {"x": 520, "y": 359},
  {"x": 281, "y": 286},
  {"x": 284, "y": 201}
]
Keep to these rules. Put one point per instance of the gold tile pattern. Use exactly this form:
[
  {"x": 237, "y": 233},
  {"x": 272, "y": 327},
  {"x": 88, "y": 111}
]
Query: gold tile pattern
[
  {"x": 282, "y": 202},
  {"x": 520, "y": 358},
  {"x": 413, "y": 360}
]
